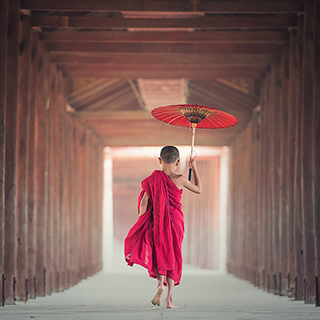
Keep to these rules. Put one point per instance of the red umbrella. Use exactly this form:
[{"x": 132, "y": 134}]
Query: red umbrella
[{"x": 192, "y": 115}]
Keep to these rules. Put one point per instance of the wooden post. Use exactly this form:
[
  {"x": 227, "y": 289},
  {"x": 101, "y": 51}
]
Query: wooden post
[
  {"x": 54, "y": 216},
  {"x": 3, "y": 79},
  {"x": 62, "y": 185},
  {"x": 31, "y": 165},
  {"x": 70, "y": 165},
  {"x": 264, "y": 188},
  {"x": 316, "y": 139},
  {"x": 269, "y": 205},
  {"x": 293, "y": 88},
  {"x": 40, "y": 171},
  {"x": 51, "y": 183},
  {"x": 276, "y": 171},
  {"x": 22, "y": 155},
  {"x": 308, "y": 154},
  {"x": 283, "y": 205},
  {"x": 10, "y": 149},
  {"x": 298, "y": 241}
]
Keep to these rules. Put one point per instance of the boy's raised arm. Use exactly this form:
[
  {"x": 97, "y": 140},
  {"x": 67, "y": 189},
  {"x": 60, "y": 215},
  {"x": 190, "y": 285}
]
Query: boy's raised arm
[{"x": 196, "y": 186}]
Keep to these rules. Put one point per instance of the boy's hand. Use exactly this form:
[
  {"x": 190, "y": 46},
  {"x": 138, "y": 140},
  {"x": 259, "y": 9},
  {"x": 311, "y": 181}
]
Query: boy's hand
[{"x": 192, "y": 163}]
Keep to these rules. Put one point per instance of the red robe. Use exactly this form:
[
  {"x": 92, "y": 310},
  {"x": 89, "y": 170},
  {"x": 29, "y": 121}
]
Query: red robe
[{"x": 155, "y": 240}]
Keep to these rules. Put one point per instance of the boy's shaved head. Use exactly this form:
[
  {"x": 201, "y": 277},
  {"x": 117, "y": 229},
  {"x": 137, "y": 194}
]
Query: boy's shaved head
[{"x": 169, "y": 154}]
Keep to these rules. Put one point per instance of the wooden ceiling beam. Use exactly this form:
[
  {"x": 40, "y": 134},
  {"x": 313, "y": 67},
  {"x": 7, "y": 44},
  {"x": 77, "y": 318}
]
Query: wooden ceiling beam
[
  {"x": 161, "y": 134},
  {"x": 247, "y": 6},
  {"x": 279, "y": 36},
  {"x": 232, "y": 22},
  {"x": 159, "y": 72},
  {"x": 137, "y": 115},
  {"x": 239, "y": 48},
  {"x": 162, "y": 59}
]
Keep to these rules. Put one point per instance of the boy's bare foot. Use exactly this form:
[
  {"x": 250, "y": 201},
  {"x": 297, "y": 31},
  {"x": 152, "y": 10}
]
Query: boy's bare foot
[
  {"x": 158, "y": 296},
  {"x": 170, "y": 305}
]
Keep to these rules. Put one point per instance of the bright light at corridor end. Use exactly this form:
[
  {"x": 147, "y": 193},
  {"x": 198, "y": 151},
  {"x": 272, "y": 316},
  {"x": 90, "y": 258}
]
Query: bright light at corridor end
[
  {"x": 154, "y": 152},
  {"x": 111, "y": 258}
]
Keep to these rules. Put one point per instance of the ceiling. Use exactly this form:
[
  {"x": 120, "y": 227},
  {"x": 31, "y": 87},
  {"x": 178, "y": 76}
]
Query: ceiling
[{"x": 118, "y": 58}]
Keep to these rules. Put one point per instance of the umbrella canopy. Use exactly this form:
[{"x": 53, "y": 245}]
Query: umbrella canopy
[
  {"x": 187, "y": 115},
  {"x": 192, "y": 115}
]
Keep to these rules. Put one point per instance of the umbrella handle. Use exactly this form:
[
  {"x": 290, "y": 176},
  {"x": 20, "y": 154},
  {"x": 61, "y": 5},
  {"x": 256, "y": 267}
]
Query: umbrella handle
[{"x": 192, "y": 147}]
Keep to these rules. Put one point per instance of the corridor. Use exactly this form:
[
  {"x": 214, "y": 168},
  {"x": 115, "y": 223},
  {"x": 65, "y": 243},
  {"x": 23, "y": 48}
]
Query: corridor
[{"x": 81, "y": 77}]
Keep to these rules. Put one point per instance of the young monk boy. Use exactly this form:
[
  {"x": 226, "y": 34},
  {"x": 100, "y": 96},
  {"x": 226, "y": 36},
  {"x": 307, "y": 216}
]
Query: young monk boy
[{"x": 154, "y": 242}]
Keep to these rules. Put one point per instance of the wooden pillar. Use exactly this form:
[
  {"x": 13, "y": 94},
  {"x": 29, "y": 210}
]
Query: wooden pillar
[
  {"x": 70, "y": 166},
  {"x": 51, "y": 183},
  {"x": 53, "y": 168},
  {"x": 90, "y": 213},
  {"x": 269, "y": 205},
  {"x": 298, "y": 240},
  {"x": 85, "y": 225},
  {"x": 316, "y": 139},
  {"x": 256, "y": 196},
  {"x": 308, "y": 154},
  {"x": 31, "y": 166},
  {"x": 283, "y": 205},
  {"x": 293, "y": 88},
  {"x": 3, "y": 79},
  {"x": 22, "y": 156},
  {"x": 276, "y": 171},
  {"x": 75, "y": 240},
  {"x": 62, "y": 186},
  {"x": 10, "y": 149},
  {"x": 264, "y": 187},
  {"x": 40, "y": 172}
]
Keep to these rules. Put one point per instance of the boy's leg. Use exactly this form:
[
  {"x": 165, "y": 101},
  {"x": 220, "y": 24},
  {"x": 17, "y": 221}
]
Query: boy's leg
[
  {"x": 160, "y": 289},
  {"x": 169, "y": 303}
]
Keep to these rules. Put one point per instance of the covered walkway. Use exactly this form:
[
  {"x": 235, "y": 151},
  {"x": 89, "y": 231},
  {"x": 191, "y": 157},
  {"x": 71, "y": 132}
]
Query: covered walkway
[
  {"x": 119, "y": 297},
  {"x": 78, "y": 76}
]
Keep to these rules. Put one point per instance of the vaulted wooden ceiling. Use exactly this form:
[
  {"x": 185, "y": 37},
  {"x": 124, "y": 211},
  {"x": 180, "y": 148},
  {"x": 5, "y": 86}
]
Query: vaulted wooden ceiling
[{"x": 222, "y": 49}]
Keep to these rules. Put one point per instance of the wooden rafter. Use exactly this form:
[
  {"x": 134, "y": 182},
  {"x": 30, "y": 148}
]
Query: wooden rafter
[
  {"x": 230, "y": 22},
  {"x": 154, "y": 59},
  {"x": 73, "y": 46},
  {"x": 112, "y": 97},
  {"x": 247, "y": 6},
  {"x": 151, "y": 72},
  {"x": 89, "y": 90},
  {"x": 278, "y": 36},
  {"x": 222, "y": 94}
]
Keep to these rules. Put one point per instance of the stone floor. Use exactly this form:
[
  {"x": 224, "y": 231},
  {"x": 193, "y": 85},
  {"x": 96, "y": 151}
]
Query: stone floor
[{"x": 201, "y": 295}]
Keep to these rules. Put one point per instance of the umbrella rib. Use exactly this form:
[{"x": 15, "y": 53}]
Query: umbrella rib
[
  {"x": 166, "y": 118},
  {"x": 179, "y": 121},
  {"x": 177, "y": 117},
  {"x": 221, "y": 122},
  {"x": 214, "y": 121},
  {"x": 208, "y": 119}
]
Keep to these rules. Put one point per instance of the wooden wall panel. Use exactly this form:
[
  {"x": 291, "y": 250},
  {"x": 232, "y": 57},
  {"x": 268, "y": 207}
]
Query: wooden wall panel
[
  {"x": 22, "y": 155},
  {"x": 10, "y": 241},
  {"x": 31, "y": 168},
  {"x": 285, "y": 179},
  {"x": 308, "y": 153},
  {"x": 42, "y": 233}
]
